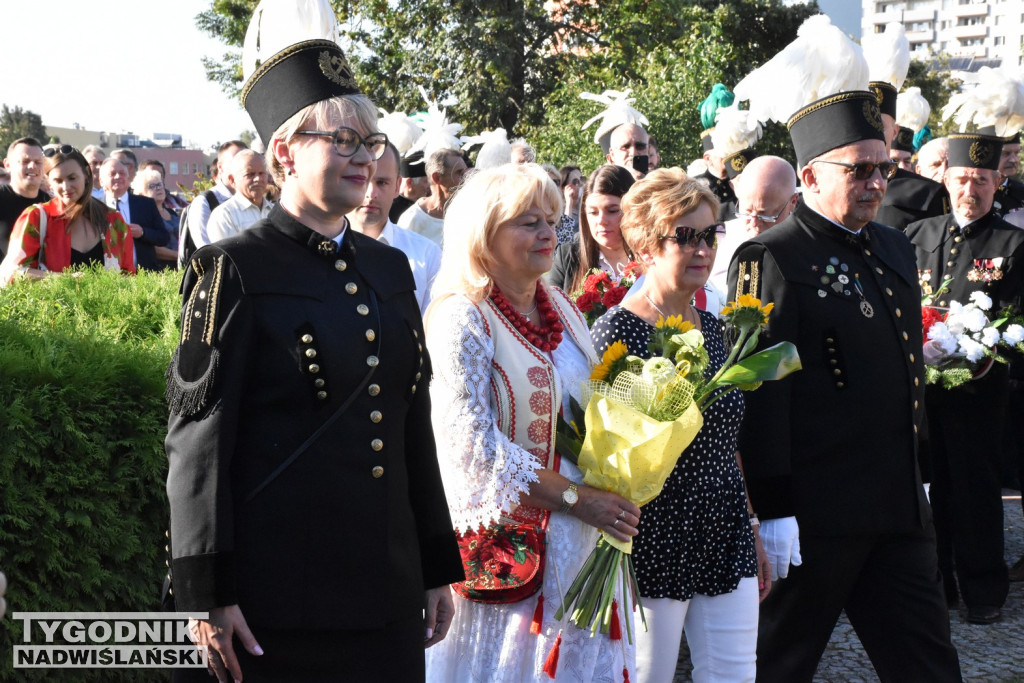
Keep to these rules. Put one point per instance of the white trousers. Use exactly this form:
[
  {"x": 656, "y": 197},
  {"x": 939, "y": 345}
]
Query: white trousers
[{"x": 721, "y": 632}]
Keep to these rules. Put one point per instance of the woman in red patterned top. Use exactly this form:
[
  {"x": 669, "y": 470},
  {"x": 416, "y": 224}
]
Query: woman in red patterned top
[{"x": 79, "y": 230}]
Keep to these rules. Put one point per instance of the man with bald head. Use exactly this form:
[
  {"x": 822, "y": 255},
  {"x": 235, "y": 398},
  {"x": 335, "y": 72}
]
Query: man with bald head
[
  {"x": 627, "y": 147},
  {"x": 765, "y": 195},
  {"x": 248, "y": 175}
]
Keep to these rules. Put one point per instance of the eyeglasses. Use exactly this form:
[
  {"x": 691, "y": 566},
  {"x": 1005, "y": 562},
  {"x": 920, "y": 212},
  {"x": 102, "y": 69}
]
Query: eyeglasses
[
  {"x": 761, "y": 217},
  {"x": 155, "y": 186},
  {"x": 347, "y": 141},
  {"x": 689, "y": 237},
  {"x": 63, "y": 149},
  {"x": 864, "y": 170}
]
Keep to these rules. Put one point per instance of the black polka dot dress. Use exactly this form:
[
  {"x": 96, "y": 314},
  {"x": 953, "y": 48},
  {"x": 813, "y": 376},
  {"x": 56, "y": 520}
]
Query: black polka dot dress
[{"x": 695, "y": 538}]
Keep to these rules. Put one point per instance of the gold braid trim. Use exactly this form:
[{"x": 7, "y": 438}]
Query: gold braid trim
[
  {"x": 748, "y": 279},
  {"x": 821, "y": 104},
  {"x": 186, "y": 324},
  {"x": 211, "y": 298}
]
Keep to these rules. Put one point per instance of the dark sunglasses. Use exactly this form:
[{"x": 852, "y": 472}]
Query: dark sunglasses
[
  {"x": 347, "y": 141},
  {"x": 864, "y": 170},
  {"x": 689, "y": 237},
  {"x": 63, "y": 149}
]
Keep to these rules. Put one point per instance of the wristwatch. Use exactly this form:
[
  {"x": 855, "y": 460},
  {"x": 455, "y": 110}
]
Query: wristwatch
[{"x": 570, "y": 497}]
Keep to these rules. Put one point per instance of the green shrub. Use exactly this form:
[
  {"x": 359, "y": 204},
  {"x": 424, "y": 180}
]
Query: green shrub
[{"x": 82, "y": 464}]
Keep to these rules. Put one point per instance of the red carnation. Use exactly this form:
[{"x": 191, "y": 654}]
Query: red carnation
[
  {"x": 585, "y": 301},
  {"x": 595, "y": 281},
  {"x": 930, "y": 316},
  {"x": 614, "y": 296}
]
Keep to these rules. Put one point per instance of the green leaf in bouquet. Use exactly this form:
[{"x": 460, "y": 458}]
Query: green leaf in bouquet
[
  {"x": 772, "y": 363},
  {"x": 954, "y": 377},
  {"x": 932, "y": 375},
  {"x": 751, "y": 343},
  {"x": 568, "y": 440}
]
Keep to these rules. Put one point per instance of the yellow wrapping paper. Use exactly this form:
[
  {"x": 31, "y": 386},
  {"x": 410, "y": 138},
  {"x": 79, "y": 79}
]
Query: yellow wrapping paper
[{"x": 631, "y": 454}]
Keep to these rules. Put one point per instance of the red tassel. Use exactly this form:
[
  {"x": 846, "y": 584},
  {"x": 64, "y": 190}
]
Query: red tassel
[
  {"x": 625, "y": 675},
  {"x": 551, "y": 663},
  {"x": 538, "y": 616},
  {"x": 615, "y": 630}
]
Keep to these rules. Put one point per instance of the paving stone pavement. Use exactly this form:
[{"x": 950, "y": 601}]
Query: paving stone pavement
[{"x": 988, "y": 654}]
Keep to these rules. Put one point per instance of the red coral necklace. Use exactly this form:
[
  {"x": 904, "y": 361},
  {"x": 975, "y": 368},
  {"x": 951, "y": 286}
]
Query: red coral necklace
[{"x": 546, "y": 336}]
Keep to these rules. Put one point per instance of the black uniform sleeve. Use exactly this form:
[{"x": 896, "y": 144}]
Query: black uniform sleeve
[
  {"x": 439, "y": 551},
  {"x": 205, "y": 384},
  {"x": 765, "y": 437}
]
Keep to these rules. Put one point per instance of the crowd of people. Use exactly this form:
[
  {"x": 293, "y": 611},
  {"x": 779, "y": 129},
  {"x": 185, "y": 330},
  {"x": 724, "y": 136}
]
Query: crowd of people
[{"x": 379, "y": 334}]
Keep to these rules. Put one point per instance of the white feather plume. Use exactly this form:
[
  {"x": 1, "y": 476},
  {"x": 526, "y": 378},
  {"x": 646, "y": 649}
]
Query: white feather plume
[
  {"x": 438, "y": 131},
  {"x": 401, "y": 130},
  {"x": 276, "y": 24},
  {"x": 991, "y": 97},
  {"x": 888, "y": 55},
  {"x": 912, "y": 109},
  {"x": 496, "y": 150},
  {"x": 735, "y": 130},
  {"x": 821, "y": 61},
  {"x": 618, "y": 110}
]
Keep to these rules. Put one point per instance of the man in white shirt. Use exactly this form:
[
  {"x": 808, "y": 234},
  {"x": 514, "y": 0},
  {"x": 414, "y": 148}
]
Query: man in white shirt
[
  {"x": 765, "y": 196},
  {"x": 445, "y": 170},
  {"x": 199, "y": 210},
  {"x": 95, "y": 156},
  {"x": 248, "y": 175},
  {"x": 371, "y": 219}
]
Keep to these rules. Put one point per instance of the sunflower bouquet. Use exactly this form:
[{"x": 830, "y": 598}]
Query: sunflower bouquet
[{"x": 640, "y": 416}]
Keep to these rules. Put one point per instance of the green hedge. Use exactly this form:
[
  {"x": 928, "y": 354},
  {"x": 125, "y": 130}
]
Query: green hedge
[{"x": 82, "y": 464}]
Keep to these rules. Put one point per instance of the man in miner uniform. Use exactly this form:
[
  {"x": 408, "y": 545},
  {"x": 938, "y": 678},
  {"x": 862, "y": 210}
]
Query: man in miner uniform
[
  {"x": 308, "y": 515},
  {"x": 830, "y": 452},
  {"x": 981, "y": 253}
]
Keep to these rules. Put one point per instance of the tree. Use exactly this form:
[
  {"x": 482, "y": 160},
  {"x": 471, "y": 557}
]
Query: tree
[
  {"x": 937, "y": 85},
  {"x": 520, "y": 65},
  {"x": 19, "y": 123}
]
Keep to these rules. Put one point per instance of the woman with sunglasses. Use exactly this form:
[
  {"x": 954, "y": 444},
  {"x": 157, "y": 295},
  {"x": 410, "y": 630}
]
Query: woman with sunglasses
[
  {"x": 699, "y": 562},
  {"x": 599, "y": 242},
  {"x": 149, "y": 182},
  {"x": 72, "y": 229},
  {"x": 308, "y": 517}
]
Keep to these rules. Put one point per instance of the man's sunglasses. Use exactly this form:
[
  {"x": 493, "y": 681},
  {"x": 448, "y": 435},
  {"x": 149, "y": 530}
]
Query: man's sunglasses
[
  {"x": 864, "y": 170},
  {"x": 689, "y": 237},
  {"x": 347, "y": 141},
  {"x": 63, "y": 149}
]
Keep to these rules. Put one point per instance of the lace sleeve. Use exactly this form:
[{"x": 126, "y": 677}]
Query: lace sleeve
[{"x": 484, "y": 473}]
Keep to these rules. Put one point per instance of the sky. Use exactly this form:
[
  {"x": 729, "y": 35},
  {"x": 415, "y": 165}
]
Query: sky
[{"x": 143, "y": 74}]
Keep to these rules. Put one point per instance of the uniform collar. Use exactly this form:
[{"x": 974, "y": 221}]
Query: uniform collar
[{"x": 291, "y": 227}]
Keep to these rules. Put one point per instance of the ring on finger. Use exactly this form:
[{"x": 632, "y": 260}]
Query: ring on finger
[
  {"x": 616, "y": 523},
  {"x": 622, "y": 515}
]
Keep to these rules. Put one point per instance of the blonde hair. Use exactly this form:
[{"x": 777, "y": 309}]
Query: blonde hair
[
  {"x": 143, "y": 178},
  {"x": 320, "y": 115},
  {"x": 657, "y": 201},
  {"x": 488, "y": 199}
]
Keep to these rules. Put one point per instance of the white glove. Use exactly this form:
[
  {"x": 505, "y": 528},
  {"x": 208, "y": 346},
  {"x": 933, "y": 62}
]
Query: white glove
[{"x": 781, "y": 541}]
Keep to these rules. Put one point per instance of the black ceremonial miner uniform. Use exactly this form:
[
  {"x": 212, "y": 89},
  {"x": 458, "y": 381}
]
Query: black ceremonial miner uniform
[
  {"x": 723, "y": 190},
  {"x": 910, "y": 197},
  {"x": 1009, "y": 197},
  {"x": 835, "y": 445},
  {"x": 285, "y": 330},
  {"x": 985, "y": 256}
]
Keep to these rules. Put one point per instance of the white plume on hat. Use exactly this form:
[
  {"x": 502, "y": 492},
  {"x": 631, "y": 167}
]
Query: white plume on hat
[
  {"x": 995, "y": 97},
  {"x": 912, "y": 109},
  {"x": 822, "y": 61},
  {"x": 401, "y": 130},
  {"x": 735, "y": 130},
  {"x": 276, "y": 24},
  {"x": 438, "y": 131},
  {"x": 618, "y": 111},
  {"x": 496, "y": 149},
  {"x": 888, "y": 55}
]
